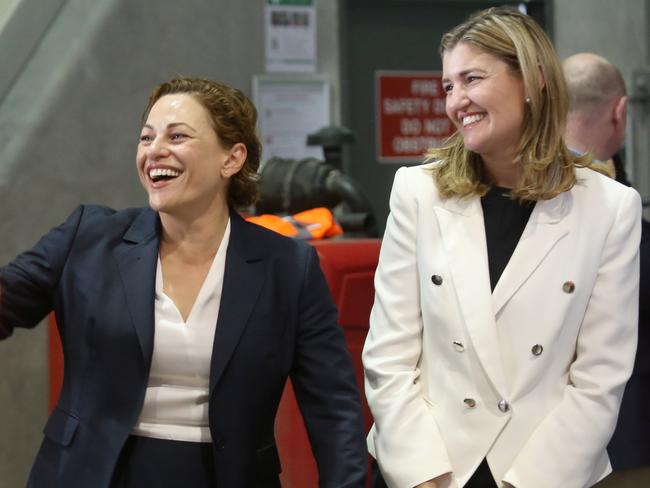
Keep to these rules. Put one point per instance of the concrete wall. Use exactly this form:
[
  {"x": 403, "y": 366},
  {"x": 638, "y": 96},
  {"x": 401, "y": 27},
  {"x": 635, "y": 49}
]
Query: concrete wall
[
  {"x": 5, "y": 8},
  {"x": 70, "y": 119}
]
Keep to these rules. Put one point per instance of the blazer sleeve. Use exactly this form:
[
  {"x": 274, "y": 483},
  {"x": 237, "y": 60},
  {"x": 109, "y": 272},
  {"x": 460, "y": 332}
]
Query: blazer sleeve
[
  {"x": 325, "y": 385},
  {"x": 568, "y": 443},
  {"x": 28, "y": 284},
  {"x": 405, "y": 438}
]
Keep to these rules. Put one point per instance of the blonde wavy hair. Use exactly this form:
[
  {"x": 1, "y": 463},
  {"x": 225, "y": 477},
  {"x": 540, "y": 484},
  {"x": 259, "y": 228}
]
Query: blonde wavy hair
[{"x": 547, "y": 165}]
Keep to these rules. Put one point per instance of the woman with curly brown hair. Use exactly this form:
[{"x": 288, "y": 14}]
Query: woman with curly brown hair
[{"x": 181, "y": 322}]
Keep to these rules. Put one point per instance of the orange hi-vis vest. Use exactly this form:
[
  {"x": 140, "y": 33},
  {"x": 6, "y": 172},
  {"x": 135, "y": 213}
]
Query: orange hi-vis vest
[{"x": 312, "y": 224}]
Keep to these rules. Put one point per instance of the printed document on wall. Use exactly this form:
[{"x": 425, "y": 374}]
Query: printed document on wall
[
  {"x": 290, "y": 36},
  {"x": 290, "y": 108}
]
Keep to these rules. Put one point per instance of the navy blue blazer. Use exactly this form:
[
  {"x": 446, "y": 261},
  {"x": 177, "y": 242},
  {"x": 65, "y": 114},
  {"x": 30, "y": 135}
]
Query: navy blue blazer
[
  {"x": 97, "y": 272},
  {"x": 629, "y": 447}
]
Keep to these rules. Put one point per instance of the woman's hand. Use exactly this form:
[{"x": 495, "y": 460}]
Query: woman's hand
[
  {"x": 427, "y": 484},
  {"x": 433, "y": 483}
]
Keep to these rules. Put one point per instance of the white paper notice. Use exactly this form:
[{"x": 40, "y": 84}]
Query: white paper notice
[
  {"x": 290, "y": 36},
  {"x": 289, "y": 110}
]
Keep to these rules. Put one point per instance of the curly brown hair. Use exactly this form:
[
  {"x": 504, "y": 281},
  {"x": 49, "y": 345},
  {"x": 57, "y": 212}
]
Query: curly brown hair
[{"x": 234, "y": 118}]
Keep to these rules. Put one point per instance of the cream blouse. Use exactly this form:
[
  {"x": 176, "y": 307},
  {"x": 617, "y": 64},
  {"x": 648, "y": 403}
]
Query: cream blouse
[{"x": 176, "y": 400}]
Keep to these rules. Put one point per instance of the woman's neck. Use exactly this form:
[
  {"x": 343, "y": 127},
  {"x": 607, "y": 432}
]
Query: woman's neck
[
  {"x": 503, "y": 172},
  {"x": 193, "y": 239}
]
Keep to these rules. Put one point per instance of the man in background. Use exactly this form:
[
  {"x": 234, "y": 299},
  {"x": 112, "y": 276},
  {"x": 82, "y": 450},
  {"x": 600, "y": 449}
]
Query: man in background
[
  {"x": 596, "y": 124},
  {"x": 598, "y": 109}
]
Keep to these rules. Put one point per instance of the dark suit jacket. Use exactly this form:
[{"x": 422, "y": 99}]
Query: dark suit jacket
[
  {"x": 277, "y": 319},
  {"x": 630, "y": 445}
]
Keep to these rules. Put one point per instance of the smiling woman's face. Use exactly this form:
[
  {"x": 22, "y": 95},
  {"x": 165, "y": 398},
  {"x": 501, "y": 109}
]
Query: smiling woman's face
[
  {"x": 485, "y": 101},
  {"x": 180, "y": 159}
]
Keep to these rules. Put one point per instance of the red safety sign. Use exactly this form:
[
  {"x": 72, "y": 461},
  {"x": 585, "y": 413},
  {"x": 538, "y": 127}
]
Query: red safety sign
[{"x": 410, "y": 115}]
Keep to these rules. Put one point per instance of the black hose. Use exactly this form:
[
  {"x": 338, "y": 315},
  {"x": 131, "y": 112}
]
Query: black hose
[{"x": 291, "y": 186}]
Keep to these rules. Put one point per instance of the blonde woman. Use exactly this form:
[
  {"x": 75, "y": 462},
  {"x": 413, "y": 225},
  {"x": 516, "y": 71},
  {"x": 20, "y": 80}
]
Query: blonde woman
[{"x": 504, "y": 323}]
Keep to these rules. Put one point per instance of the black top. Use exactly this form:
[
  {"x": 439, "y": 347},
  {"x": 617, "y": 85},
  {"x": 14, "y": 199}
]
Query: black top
[{"x": 505, "y": 220}]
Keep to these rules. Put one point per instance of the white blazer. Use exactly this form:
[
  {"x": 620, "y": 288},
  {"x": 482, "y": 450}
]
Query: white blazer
[{"x": 530, "y": 375}]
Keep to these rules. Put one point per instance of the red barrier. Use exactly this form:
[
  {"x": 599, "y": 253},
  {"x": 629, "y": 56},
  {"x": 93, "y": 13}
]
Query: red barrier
[{"x": 349, "y": 266}]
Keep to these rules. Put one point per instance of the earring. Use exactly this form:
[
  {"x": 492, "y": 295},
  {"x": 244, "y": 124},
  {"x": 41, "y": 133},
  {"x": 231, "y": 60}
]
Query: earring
[{"x": 527, "y": 99}]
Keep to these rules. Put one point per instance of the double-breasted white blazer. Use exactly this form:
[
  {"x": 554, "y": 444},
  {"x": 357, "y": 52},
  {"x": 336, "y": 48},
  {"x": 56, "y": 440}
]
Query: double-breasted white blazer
[{"x": 530, "y": 375}]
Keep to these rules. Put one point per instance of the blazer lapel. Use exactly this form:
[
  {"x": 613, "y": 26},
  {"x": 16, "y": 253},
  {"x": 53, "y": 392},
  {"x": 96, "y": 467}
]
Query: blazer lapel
[
  {"x": 242, "y": 284},
  {"x": 544, "y": 229},
  {"x": 463, "y": 235},
  {"x": 136, "y": 259}
]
